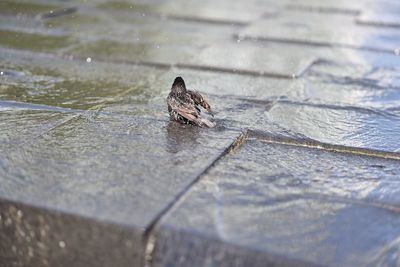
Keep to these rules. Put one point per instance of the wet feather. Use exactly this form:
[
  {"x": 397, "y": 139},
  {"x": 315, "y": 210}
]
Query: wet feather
[{"x": 184, "y": 105}]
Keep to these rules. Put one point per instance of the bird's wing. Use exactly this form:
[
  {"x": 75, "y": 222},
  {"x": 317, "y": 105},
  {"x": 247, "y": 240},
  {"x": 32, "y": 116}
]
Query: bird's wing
[
  {"x": 188, "y": 111},
  {"x": 199, "y": 100}
]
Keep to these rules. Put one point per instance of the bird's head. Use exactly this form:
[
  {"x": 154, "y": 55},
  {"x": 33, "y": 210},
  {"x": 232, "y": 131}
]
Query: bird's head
[{"x": 178, "y": 86}]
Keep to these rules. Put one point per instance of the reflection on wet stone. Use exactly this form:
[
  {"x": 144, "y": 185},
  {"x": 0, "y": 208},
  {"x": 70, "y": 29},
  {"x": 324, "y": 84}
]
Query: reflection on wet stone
[
  {"x": 295, "y": 204},
  {"x": 180, "y": 136}
]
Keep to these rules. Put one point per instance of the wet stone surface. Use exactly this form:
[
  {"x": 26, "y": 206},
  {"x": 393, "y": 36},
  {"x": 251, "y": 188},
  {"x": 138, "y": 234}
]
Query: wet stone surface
[
  {"x": 386, "y": 15},
  {"x": 315, "y": 28},
  {"x": 107, "y": 167},
  {"x": 293, "y": 204},
  {"x": 21, "y": 125},
  {"x": 75, "y": 85},
  {"x": 93, "y": 173}
]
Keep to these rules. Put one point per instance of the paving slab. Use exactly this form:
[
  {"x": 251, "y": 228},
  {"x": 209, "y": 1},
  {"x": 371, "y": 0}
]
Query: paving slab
[
  {"x": 26, "y": 7},
  {"x": 375, "y": 88},
  {"x": 21, "y": 124},
  {"x": 36, "y": 237},
  {"x": 289, "y": 203},
  {"x": 212, "y": 11},
  {"x": 347, "y": 126},
  {"x": 368, "y": 74},
  {"x": 329, "y": 6},
  {"x": 381, "y": 13},
  {"x": 345, "y": 94},
  {"x": 66, "y": 83},
  {"x": 316, "y": 29}
]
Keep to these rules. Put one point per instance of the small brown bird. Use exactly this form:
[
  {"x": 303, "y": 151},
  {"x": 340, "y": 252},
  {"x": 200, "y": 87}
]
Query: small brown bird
[{"x": 183, "y": 105}]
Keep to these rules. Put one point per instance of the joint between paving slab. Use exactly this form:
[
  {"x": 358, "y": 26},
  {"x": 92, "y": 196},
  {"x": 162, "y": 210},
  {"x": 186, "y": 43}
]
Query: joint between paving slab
[
  {"x": 310, "y": 143},
  {"x": 208, "y": 21},
  {"x": 377, "y": 24},
  {"x": 326, "y": 10},
  {"x": 311, "y": 43},
  {"x": 149, "y": 235}
]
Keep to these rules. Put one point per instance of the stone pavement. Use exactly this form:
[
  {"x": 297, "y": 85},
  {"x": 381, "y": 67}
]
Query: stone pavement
[{"x": 302, "y": 169}]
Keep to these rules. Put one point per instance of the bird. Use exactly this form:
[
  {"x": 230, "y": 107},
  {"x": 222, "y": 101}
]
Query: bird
[{"x": 184, "y": 105}]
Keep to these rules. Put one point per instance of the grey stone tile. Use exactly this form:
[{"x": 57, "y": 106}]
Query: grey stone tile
[
  {"x": 329, "y": 5},
  {"x": 315, "y": 28},
  {"x": 67, "y": 83},
  {"x": 348, "y": 84},
  {"x": 216, "y": 11},
  {"x": 192, "y": 249},
  {"x": 349, "y": 126},
  {"x": 36, "y": 237},
  {"x": 111, "y": 168},
  {"x": 21, "y": 124},
  {"x": 367, "y": 74},
  {"x": 381, "y": 13},
  {"x": 346, "y": 92},
  {"x": 133, "y": 27},
  {"x": 261, "y": 59},
  {"x": 33, "y": 41},
  {"x": 288, "y": 203},
  {"x": 25, "y": 8}
]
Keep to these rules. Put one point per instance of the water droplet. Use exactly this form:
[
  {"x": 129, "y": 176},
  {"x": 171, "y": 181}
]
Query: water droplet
[
  {"x": 88, "y": 60},
  {"x": 21, "y": 233},
  {"x": 143, "y": 14},
  {"x": 397, "y": 51},
  {"x": 130, "y": 7},
  {"x": 158, "y": 46},
  {"x": 40, "y": 245},
  {"x": 19, "y": 213},
  {"x": 42, "y": 232},
  {"x": 61, "y": 244},
  {"x": 293, "y": 75},
  {"x": 1, "y": 73},
  {"x": 238, "y": 40}
]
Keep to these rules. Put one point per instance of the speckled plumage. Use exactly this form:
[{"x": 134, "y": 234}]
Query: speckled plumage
[{"x": 184, "y": 105}]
